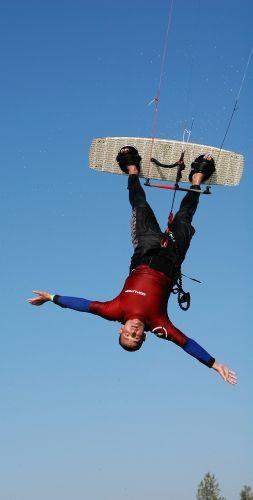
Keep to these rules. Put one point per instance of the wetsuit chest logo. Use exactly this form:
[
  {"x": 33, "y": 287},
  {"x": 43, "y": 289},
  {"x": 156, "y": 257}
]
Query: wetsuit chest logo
[{"x": 136, "y": 291}]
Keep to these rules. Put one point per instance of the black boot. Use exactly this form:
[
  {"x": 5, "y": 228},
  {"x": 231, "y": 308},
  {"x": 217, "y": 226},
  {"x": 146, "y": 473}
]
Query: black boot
[
  {"x": 128, "y": 155},
  {"x": 202, "y": 166}
]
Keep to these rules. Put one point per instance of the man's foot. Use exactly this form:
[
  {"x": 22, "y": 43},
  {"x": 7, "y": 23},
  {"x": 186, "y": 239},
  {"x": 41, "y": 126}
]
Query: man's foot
[
  {"x": 132, "y": 169},
  {"x": 128, "y": 156},
  {"x": 201, "y": 169}
]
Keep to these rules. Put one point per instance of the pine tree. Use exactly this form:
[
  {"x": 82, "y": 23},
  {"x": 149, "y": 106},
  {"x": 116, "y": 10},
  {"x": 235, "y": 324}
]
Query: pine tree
[
  {"x": 209, "y": 489},
  {"x": 246, "y": 493}
]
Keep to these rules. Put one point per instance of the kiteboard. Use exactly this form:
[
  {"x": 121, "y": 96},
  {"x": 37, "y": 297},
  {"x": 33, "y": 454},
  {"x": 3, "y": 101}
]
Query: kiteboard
[{"x": 103, "y": 152}]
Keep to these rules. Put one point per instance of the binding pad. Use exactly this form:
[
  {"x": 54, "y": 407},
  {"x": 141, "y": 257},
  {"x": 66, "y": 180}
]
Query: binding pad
[{"x": 103, "y": 152}]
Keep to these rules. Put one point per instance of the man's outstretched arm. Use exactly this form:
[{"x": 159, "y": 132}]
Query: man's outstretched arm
[
  {"x": 109, "y": 310},
  {"x": 78, "y": 304},
  {"x": 194, "y": 349}
]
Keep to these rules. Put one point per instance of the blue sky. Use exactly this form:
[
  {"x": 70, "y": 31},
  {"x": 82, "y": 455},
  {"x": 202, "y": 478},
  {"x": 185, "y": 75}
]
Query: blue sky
[{"x": 81, "y": 418}]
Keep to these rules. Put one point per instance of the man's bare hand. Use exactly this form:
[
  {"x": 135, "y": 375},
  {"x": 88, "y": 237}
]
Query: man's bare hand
[
  {"x": 227, "y": 374},
  {"x": 41, "y": 298}
]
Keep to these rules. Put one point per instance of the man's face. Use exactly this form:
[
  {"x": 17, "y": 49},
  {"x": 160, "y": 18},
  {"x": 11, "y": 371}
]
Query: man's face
[{"x": 132, "y": 332}]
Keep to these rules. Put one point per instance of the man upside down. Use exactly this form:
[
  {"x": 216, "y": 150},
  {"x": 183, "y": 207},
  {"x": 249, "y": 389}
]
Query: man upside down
[{"x": 142, "y": 304}]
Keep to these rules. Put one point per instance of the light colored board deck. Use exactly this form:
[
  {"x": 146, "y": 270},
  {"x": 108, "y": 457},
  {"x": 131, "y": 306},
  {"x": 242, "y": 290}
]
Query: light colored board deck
[{"x": 103, "y": 152}]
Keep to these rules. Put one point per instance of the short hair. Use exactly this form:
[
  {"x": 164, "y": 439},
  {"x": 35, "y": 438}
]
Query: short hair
[{"x": 136, "y": 347}]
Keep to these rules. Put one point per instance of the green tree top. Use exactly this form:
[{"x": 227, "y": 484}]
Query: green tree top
[
  {"x": 209, "y": 489},
  {"x": 246, "y": 493}
]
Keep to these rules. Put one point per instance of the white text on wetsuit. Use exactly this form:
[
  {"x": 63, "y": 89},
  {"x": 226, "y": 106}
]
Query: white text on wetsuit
[{"x": 135, "y": 291}]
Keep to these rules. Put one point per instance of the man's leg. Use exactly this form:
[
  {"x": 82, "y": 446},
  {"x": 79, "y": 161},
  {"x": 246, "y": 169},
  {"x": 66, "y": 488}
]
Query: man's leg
[
  {"x": 146, "y": 232},
  {"x": 187, "y": 208},
  {"x": 182, "y": 229},
  {"x": 137, "y": 196},
  {"x": 145, "y": 229},
  {"x": 181, "y": 226}
]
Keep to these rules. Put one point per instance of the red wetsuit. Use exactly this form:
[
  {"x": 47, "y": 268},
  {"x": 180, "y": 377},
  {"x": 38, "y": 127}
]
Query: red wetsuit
[
  {"x": 145, "y": 297},
  {"x": 147, "y": 289}
]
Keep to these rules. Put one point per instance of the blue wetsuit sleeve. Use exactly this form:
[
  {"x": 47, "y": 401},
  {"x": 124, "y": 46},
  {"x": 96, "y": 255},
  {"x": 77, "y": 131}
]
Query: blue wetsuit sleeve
[
  {"x": 78, "y": 304},
  {"x": 170, "y": 332},
  {"x": 195, "y": 350}
]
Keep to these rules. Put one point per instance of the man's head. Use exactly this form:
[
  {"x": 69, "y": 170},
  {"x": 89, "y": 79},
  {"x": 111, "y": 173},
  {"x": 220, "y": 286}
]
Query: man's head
[{"x": 132, "y": 335}]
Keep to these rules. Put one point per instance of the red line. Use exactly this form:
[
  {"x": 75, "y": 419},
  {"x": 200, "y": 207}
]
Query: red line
[{"x": 172, "y": 188}]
